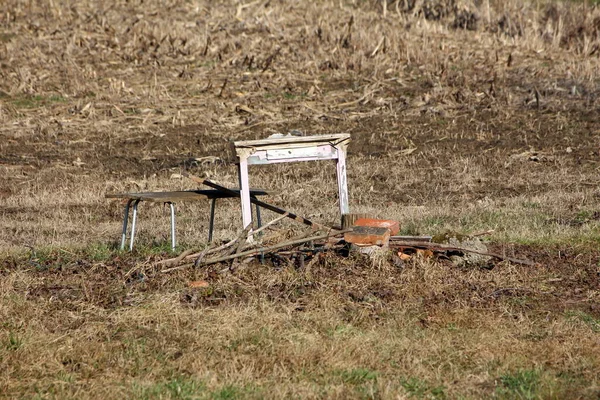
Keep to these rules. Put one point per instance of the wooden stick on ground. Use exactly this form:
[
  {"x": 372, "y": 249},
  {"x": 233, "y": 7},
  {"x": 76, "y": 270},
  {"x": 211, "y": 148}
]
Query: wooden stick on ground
[
  {"x": 254, "y": 252},
  {"x": 201, "y": 254},
  {"x": 439, "y": 246},
  {"x": 176, "y": 260}
]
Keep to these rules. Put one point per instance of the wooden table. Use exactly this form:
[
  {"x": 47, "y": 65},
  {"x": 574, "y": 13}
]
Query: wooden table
[
  {"x": 171, "y": 198},
  {"x": 292, "y": 149}
]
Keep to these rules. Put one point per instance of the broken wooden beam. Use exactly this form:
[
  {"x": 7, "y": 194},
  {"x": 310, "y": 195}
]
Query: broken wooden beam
[
  {"x": 445, "y": 247},
  {"x": 259, "y": 203}
]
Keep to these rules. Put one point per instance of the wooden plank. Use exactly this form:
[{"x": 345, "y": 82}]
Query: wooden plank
[{"x": 253, "y": 160}]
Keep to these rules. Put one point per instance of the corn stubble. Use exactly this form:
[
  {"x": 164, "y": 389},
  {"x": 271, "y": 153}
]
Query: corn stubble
[{"x": 464, "y": 117}]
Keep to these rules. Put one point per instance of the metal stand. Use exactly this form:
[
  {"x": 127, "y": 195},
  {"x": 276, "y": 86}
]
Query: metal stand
[
  {"x": 134, "y": 220},
  {"x": 125, "y": 221},
  {"x": 211, "y": 223},
  {"x": 171, "y": 204}
]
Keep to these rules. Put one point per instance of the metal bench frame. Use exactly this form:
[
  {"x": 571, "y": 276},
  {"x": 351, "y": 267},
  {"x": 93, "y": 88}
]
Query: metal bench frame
[{"x": 170, "y": 198}]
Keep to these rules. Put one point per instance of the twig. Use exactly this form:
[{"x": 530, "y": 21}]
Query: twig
[
  {"x": 444, "y": 247},
  {"x": 190, "y": 254},
  {"x": 241, "y": 239},
  {"x": 176, "y": 260},
  {"x": 482, "y": 233},
  {"x": 260, "y": 250},
  {"x": 267, "y": 225},
  {"x": 382, "y": 41},
  {"x": 223, "y": 87},
  {"x": 349, "y": 103}
]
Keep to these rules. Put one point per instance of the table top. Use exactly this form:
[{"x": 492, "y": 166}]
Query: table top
[
  {"x": 185, "y": 195},
  {"x": 315, "y": 140}
]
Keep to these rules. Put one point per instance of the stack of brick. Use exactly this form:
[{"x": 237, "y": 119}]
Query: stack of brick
[{"x": 372, "y": 232}]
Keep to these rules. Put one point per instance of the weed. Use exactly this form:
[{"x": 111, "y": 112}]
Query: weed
[
  {"x": 13, "y": 342},
  {"x": 523, "y": 384},
  {"x": 37, "y": 101},
  {"x": 421, "y": 389},
  {"x": 6, "y": 37},
  {"x": 227, "y": 392},
  {"x": 590, "y": 321},
  {"x": 179, "y": 388},
  {"x": 410, "y": 228},
  {"x": 99, "y": 252},
  {"x": 358, "y": 376}
]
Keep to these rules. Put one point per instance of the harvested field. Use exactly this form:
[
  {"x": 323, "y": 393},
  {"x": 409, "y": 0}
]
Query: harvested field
[{"x": 465, "y": 117}]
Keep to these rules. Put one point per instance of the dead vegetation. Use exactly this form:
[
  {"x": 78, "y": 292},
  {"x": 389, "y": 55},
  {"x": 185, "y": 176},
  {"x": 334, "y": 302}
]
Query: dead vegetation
[{"x": 465, "y": 116}]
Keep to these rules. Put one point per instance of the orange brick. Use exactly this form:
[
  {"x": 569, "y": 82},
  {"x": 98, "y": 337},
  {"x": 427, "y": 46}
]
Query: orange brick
[
  {"x": 368, "y": 235},
  {"x": 393, "y": 226}
]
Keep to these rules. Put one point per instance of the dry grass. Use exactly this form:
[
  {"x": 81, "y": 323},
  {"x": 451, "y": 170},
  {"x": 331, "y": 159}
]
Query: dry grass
[{"x": 464, "y": 117}]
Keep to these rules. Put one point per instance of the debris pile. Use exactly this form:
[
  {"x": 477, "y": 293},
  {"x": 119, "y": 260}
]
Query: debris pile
[
  {"x": 358, "y": 233},
  {"x": 375, "y": 238}
]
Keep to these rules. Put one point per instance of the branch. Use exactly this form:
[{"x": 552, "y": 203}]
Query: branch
[{"x": 260, "y": 250}]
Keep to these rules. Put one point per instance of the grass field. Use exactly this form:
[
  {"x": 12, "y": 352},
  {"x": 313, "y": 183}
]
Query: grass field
[{"x": 465, "y": 117}]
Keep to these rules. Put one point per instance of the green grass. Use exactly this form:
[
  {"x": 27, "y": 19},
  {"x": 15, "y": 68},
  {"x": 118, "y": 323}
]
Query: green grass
[
  {"x": 358, "y": 376},
  {"x": 187, "y": 388},
  {"x": 181, "y": 388},
  {"x": 421, "y": 389},
  {"x": 593, "y": 323},
  {"x": 37, "y": 101},
  {"x": 13, "y": 342},
  {"x": 522, "y": 384}
]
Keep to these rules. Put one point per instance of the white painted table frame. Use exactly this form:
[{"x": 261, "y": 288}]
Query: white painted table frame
[{"x": 292, "y": 149}]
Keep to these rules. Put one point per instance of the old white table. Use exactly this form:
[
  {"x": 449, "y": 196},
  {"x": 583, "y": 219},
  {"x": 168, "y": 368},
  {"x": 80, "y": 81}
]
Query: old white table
[{"x": 292, "y": 149}]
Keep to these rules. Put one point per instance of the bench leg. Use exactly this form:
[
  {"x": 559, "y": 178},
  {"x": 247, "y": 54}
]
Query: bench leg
[
  {"x": 125, "y": 221},
  {"x": 172, "y": 225},
  {"x": 133, "y": 221},
  {"x": 211, "y": 222}
]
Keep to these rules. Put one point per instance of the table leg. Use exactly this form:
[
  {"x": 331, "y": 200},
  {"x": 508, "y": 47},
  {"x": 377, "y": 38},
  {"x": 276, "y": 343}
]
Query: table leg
[
  {"x": 172, "y": 225},
  {"x": 211, "y": 222},
  {"x": 342, "y": 180},
  {"x": 133, "y": 221},
  {"x": 245, "y": 192},
  {"x": 125, "y": 221}
]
